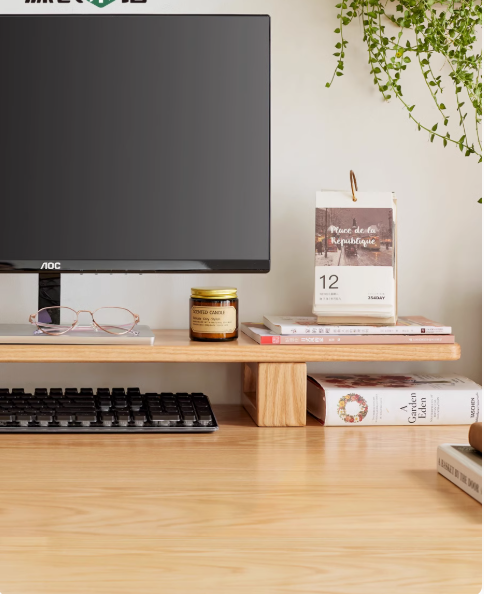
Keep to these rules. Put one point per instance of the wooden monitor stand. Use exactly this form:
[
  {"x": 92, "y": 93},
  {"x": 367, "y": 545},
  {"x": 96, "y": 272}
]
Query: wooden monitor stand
[{"x": 274, "y": 377}]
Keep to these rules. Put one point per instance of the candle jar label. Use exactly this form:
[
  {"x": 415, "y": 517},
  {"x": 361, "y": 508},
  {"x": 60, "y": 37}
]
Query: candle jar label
[{"x": 214, "y": 320}]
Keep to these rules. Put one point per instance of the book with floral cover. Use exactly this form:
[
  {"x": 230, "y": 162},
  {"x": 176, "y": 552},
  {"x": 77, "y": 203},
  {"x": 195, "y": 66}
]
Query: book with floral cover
[{"x": 348, "y": 400}]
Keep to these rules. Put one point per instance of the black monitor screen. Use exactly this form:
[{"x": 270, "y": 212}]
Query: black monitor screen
[{"x": 135, "y": 142}]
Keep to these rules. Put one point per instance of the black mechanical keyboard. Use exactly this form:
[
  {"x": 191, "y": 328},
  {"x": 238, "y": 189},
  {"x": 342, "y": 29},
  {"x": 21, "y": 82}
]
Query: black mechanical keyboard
[{"x": 103, "y": 411}]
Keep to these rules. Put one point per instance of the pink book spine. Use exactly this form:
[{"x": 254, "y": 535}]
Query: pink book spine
[{"x": 367, "y": 339}]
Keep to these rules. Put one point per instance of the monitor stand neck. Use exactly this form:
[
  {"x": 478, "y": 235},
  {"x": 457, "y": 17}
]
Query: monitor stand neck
[{"x": 50, "y": 292}]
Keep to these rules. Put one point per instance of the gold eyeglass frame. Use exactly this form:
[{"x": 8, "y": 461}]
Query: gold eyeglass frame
[{"x": 32, "y": 320}]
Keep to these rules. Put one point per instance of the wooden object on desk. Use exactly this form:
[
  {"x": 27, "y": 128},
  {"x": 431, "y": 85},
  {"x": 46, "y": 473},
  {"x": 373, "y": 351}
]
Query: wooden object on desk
[
  {"x": 275, "y": 396},
  {"x": 174, "y": 346},
  {"x": 358, "y": 510}
]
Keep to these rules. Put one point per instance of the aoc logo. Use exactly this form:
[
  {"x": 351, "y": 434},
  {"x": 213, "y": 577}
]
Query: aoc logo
[
  {"x": 50, "y": 266},
  {"x": 98, "y": 3}
]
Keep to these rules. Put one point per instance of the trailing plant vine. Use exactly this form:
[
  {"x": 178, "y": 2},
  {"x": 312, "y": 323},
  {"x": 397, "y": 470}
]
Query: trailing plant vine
[{"x": 437, "y": 36}]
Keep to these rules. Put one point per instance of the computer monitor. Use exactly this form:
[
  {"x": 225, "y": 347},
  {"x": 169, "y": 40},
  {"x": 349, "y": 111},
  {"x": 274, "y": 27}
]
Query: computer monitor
[{"x": 135, "y": 143}]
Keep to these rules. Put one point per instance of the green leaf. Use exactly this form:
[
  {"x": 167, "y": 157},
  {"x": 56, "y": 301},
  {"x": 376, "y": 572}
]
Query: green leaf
[
  {"x": 411, "y": 108},
  {"x": 339, "y": 73},
  {"x": 445, "y": 142},
  {"x": 407, "y": 60},
  {"x": 480, "y": 201},
  {"x": 328, "y": 85},
  {"x": 338, "y": 45},
  {"x": 337, "y": 30},
  {"x": 442, "y": 106},
  {"x": 434, "y": 128},
  {"x": 432, "y": 136}
]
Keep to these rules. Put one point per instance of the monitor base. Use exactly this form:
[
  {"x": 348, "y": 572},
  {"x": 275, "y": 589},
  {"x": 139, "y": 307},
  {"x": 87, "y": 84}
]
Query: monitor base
[{"x": 50, "y": 292}]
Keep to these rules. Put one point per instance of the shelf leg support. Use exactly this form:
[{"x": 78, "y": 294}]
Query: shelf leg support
[{"x": 274, "y": 394}]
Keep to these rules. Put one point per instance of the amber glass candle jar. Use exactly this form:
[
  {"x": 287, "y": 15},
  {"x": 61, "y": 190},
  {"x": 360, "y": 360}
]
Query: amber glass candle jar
[{"x": 214, "y": 314}]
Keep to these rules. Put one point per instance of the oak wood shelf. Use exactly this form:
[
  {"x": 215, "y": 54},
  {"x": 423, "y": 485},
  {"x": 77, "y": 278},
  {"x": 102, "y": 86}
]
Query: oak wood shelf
[
  {"x": 273, "y": 377},
  {"x": 174, "y": 346}
]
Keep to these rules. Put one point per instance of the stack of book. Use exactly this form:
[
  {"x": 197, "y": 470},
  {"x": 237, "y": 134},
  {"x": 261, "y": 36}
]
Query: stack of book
[{"x": 287, "y": 330}]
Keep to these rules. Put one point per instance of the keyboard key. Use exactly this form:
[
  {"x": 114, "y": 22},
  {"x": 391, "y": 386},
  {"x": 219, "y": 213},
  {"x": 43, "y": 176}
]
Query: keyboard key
[
  {"x": 6, "y": 418},
  {"x": 44, "y": 419},
  {"x": 163, "y": 418},
  {"x": 86, "y": 418},
  {"x": 24, "y": 419},
  {"x": 188, "y": 417},
  {"x": 17, "y": 391},
  {"x": 133, "y": 391},
  {"x": 103, "y": 392},
  {"x": 107, "y": 420},
  {"x": 123, "y": 418},
  {"x": 56, "y": 392},
  {"x": 88, "y": 391},
  {"x": 4, "y": 391},
  {"x": 64, "y": 419},
  {"x": 41, "y": 391},
  {"x": 139, "y": 420}
]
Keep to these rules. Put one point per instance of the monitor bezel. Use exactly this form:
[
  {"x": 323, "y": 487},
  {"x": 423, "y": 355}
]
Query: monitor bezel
[{"x": 101, "y": 266}]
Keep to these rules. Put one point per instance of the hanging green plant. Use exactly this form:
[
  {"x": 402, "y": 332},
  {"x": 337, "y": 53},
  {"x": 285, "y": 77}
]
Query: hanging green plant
[{"x": 433, "y": 34}]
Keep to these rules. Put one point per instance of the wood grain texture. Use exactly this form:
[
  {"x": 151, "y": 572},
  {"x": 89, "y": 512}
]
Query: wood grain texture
[
  {"x": 174, "y": 346},
  {"x": 358, "y": 510},
  {"x": 275, "y": 393}
]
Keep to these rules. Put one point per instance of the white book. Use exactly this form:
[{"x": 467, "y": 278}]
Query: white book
[
  {"x": 301, "y": 325},
  {"x": 462, "y": 465},
  {"x": 356, "y": 400}
]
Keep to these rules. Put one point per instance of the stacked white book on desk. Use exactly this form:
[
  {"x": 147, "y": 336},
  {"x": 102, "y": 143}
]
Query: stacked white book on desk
[{"x": 292, "y": 330}]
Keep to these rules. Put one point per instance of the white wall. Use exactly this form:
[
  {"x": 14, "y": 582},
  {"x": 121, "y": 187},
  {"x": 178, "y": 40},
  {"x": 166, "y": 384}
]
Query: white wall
[{"x": 318, "y": 135}]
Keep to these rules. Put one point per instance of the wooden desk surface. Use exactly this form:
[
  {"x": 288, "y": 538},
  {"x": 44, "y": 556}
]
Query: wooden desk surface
[
  {"x": 245, "y": 510},
  {"x": 174, "y": 346}
]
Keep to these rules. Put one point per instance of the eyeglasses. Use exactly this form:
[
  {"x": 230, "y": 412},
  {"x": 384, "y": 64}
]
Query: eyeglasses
[{"x": 60, "y": 320}]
